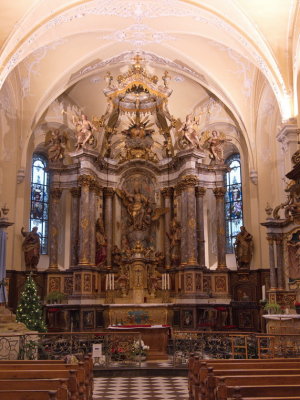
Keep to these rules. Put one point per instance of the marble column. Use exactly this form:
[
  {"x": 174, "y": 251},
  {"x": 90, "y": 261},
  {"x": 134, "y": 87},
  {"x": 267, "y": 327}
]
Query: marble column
[
  {"x": 188, "y": 220},
  {"x": 200, "y": 192},
  {"x": 93, "y": 189},
  {"x": 167, "y": 194},
  {"x": 279, "y": 254},
  {"x": 99, "y": 202},
  {"x": 108, "y": 223},
  {"x": 54, "y": 224},
  {"x": 75, "y": 192},
  {"x": 84, "y": 220},
  {"x": 273, "y": 280},
  {"x": 219, "y": 193}
]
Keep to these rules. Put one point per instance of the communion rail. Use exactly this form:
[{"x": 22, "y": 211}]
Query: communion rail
[{"x": 124, "y": 348}]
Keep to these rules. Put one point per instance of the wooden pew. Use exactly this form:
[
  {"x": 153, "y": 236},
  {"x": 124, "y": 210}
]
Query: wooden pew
[
  {"x": 87, "y": 363},
  {"x": 224, "y": 385},
  {"x": 59, "y": 385},
  {"x": 70, "y": 375},
  {"x": 80, "y": 369},
  {"x": 195, "y": 365},
  {"x": 203, "y": 379},
  {"x": 27, "y": 395},
  {"x": 260, "y": 391}
]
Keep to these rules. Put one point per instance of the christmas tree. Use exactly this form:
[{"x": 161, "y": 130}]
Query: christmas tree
[{"x": 29, "y": 310}]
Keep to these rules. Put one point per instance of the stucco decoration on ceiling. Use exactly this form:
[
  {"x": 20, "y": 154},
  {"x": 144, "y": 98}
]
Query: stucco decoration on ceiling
[
  {"x": 149, "y": 9},
  {"x": 139, "y": 35},
  {"x": 243, "y": 66},
  {"x": 32, "y": 64},
  {"x": 126, "y": 57}
]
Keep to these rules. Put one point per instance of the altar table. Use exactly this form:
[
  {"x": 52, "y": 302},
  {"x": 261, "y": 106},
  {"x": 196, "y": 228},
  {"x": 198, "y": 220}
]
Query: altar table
[{"x": 154, "y": 336}]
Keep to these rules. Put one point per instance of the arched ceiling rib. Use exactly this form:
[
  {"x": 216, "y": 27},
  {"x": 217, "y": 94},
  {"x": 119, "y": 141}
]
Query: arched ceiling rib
[{"x": 213, "y": 19}]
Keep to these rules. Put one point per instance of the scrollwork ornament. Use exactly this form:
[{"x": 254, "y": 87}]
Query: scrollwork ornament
[{"x": 296, "y": 157}]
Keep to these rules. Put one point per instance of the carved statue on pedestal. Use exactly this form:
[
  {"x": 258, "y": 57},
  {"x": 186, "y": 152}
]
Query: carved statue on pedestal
[
  {"x": 243, "y": 248},
  {"x": 56, "y": 142},
  {"x": 84, "y": 131},
  {"x": 31, "y": 248},
  {"x": 174, "y": 237},
  {"x": 101, "y": 243}
]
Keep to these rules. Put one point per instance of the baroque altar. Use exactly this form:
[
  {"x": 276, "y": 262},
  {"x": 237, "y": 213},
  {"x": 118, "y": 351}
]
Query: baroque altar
[{"x": 137, "y": 184}]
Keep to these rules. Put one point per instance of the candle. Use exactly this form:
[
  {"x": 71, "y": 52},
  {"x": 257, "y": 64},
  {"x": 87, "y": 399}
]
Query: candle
[{"x": 263, "y": 289}]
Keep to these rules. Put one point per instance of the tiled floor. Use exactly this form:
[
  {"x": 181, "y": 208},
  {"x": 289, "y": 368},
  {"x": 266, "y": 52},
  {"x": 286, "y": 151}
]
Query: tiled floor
[{"x": 139, "y": 388}]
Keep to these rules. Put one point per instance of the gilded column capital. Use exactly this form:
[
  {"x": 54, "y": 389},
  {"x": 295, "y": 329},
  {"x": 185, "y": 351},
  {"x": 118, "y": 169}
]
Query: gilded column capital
[
  {"x": 75, "y": 191},
  {"x": 188, "y": 181},
  {"x": 219, "y": 192},
  {"x": 167, "y": 191},
  {"x": 108, "y": 191},
  {"x": 200, "y": 191},
  {"x": 98, "y": 190},
  {"x": 270, "y": 239},
  {"x": 86, "y": 180},
  {"x": 55, "y": 193}
]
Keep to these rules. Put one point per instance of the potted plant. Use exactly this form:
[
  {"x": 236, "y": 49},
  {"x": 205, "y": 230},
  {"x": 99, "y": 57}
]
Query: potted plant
[
  {"x": 273, "y": 308},
  {"x": 55, "y": 297}
]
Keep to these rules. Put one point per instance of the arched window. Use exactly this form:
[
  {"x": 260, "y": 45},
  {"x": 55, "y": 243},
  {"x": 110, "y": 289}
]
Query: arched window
[
  {"x": 233, "y": 200},
  {"x": 39, "y": 209}
]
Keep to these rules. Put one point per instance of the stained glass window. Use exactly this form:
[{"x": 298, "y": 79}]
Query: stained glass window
[
  {"x": 39, "y": 209},
  {"x": 233, "y": 201}
]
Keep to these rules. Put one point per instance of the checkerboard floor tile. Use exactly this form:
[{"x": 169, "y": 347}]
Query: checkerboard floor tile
[{"x": 139, "y": 388}]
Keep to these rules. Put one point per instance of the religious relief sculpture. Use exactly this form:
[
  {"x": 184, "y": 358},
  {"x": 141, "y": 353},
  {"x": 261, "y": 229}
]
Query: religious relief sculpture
[
  {"x": 153, "y": 281},
  {"x": 84, "y": 131},
  {"x": 101, "y": 243},
  {"x": 243, "y": 248},
  {"x": 31, "y": 248},
  {"x": 138, "y": 141},
  {"x": 174, "y": 237},
  {"x": 123, "y": 280},
  {"x": 56, "y": 142},
  {"x": 142, "y": 213}
]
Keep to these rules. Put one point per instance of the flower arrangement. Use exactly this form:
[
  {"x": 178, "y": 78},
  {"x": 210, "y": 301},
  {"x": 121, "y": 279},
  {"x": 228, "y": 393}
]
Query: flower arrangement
[{"x": 139, "y": 348}]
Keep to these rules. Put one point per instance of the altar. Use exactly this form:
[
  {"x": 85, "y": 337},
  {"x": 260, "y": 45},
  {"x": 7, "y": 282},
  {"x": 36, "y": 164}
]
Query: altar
[
  {"x": 154, "y": 336},
  {"x": 283, "y": 323}
]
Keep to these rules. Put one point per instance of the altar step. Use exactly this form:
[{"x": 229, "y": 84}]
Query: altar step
[{"x": 149, "y": 368}]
